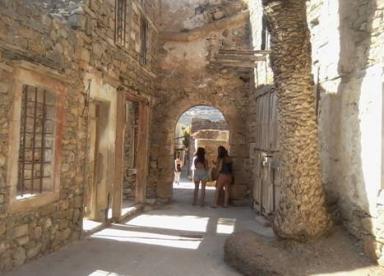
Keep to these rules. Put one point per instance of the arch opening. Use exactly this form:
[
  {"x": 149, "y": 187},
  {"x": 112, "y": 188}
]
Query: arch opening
[{"x": 199, "y": 126}]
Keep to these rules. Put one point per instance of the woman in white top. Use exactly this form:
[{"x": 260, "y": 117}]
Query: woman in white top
[{"x": 178, "y": 166}]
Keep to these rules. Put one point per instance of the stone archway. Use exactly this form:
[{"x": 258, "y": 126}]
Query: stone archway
[{"x": 165, "y": 119}]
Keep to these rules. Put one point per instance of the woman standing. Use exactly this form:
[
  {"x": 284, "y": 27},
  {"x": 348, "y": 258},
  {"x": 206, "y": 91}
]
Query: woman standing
[
  {"x": 224, "y": 179},
  {"x": 200, "y": 175},
  {"x": 178, "y": 166}
]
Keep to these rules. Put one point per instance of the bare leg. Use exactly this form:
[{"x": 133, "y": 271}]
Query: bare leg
[
  {"x": 203, "y": 183},
  {"x": 219, "y": 186},
  {"x": 227, "y": 186},
  {"x": 226, "y": 195},
  {"x": 195, "y": 192},
  {"x": 177, "y": 177}
]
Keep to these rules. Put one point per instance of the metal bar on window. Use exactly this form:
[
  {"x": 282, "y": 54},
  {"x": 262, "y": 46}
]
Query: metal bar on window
[
  {"x": 22, "y": 147},
  {"x": 42, "y": 141},
  {"x": 120, "y": 22},
  {"x": 143, "y": 40},
  {"x": 32, "y": 154},
  {"x": 34, "y": 141},
  {"x": 124, "y": 20}
]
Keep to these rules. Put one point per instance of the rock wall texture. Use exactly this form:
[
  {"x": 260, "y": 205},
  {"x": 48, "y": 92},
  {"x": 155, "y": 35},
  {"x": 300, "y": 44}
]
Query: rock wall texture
[
  {"x": 187, "y": 77},
  {"x": 71, "y": 43},
  {"x": 347, "y": 41},
  {"x": 201, "y": 124}
]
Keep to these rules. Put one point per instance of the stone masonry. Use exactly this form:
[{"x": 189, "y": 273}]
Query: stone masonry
[
  {"x": 347, "y": 40},
  {"x": 72, "y": 43},
  {"x": 188, "y": 77},
  {"x": 299, "y": 83}
]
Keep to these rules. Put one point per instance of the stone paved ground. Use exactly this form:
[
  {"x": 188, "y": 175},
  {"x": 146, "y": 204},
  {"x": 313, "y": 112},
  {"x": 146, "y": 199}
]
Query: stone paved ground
[{"x": 179, "y": 239}]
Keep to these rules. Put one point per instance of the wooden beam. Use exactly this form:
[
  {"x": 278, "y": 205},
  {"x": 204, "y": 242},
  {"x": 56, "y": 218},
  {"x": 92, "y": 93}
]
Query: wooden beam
[{"x": 117, "y": 200}]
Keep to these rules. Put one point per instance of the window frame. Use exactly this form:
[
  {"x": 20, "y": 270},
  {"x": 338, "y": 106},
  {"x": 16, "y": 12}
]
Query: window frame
[
  {"x": 37, "y": 76},
  {"x": 265, "y": 35},
  {"x": 41, "y": 149}
]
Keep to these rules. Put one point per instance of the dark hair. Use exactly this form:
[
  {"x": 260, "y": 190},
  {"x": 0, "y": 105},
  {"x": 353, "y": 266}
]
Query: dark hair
[
  {"x": 200, "y": 156},
  {"x": 222, "y": 152}
]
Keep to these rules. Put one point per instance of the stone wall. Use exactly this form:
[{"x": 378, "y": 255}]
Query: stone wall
[
  {"x": 200, "y": 124},
  {"x": 25, "y": 36},
  {"x": 347, "y": 39},
  {"x": 70, "y": 43},
  {"x": 210, "y": 140},
  {"x": 187, "y": 78}
]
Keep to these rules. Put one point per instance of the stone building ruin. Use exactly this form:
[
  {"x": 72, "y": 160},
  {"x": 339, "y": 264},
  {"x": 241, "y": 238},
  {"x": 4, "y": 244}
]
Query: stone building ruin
[{"x": 91, "y": 91}]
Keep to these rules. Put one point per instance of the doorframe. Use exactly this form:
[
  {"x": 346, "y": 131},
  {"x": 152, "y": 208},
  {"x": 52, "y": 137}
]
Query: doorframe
[{"x": 142, "y": 151}]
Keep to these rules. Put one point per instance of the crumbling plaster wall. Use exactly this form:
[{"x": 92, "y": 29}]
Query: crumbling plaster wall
[
  {"x": 347, "y": 43},
  {"x": 347, "y": 39},
  {"x": 187, "y": 78},
  {"x": 196, "y": 13},
  {"x": 72, "y": 43}
]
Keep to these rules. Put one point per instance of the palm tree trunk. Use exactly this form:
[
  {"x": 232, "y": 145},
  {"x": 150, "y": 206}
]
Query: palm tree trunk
[{"x": 302, "y": 214}]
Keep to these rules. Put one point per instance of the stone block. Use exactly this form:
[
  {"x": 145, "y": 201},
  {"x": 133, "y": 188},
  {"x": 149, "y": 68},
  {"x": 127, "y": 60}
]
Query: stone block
[
  {"x": 34, "y": 251},
  {"x": 19, "y": 256},
  {"x": 48, "y": 223},
  {"x": 4, "y": 87},
  {"x": 3, "y": 228},
  {"x": 77, "y": 21},
  {"x": 238, "y": 192},
  {"x": 23, "y": 240},
  {"x": 20, "y": 231},
  {"x": 64, "y": 235},
  {"x": 218, "y": 15},
  {"x": 3, "y": 247},
  {"x": 37, "y": 232}
]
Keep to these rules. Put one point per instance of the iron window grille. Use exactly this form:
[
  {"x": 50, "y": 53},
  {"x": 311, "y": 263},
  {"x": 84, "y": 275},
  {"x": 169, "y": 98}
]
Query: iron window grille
[
  {"x": 121, "y": 23},
  {"x": 143, "y": 40},
  {"x": 37, "y": 139}
]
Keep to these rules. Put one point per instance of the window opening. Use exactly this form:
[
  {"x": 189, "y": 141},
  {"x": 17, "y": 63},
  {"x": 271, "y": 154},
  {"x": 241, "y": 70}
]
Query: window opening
[
  {"x": 264, "y": 35},
  {"x": 36, "y": 142},
  {"x": 121, "y": 22},
  {"x": 143, "y": 40}
]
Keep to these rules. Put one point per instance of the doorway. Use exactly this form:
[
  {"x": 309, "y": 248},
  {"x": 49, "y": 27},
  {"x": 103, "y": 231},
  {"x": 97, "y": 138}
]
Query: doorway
[
  {"x": 131, "y": 136},
  {"x": 97, "y": 200}
]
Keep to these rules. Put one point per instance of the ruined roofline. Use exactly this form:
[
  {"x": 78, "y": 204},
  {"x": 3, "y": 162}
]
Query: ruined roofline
[
  {"x": 236, "y": 20},
  {"x": 208, "y": 130}
]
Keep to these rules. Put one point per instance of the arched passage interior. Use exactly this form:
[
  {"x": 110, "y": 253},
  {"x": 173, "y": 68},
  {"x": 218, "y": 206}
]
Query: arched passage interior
[{"x": 162, "y": 152}]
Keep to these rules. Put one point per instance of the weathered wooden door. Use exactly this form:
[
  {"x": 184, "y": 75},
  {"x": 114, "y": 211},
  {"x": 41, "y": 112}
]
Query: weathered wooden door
[{"x": 265, "y": 155}]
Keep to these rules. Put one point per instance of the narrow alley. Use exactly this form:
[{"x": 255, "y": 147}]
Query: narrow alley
[
  {"x": 179, "y": 239},
  {"x": 110, "y": 109}
]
